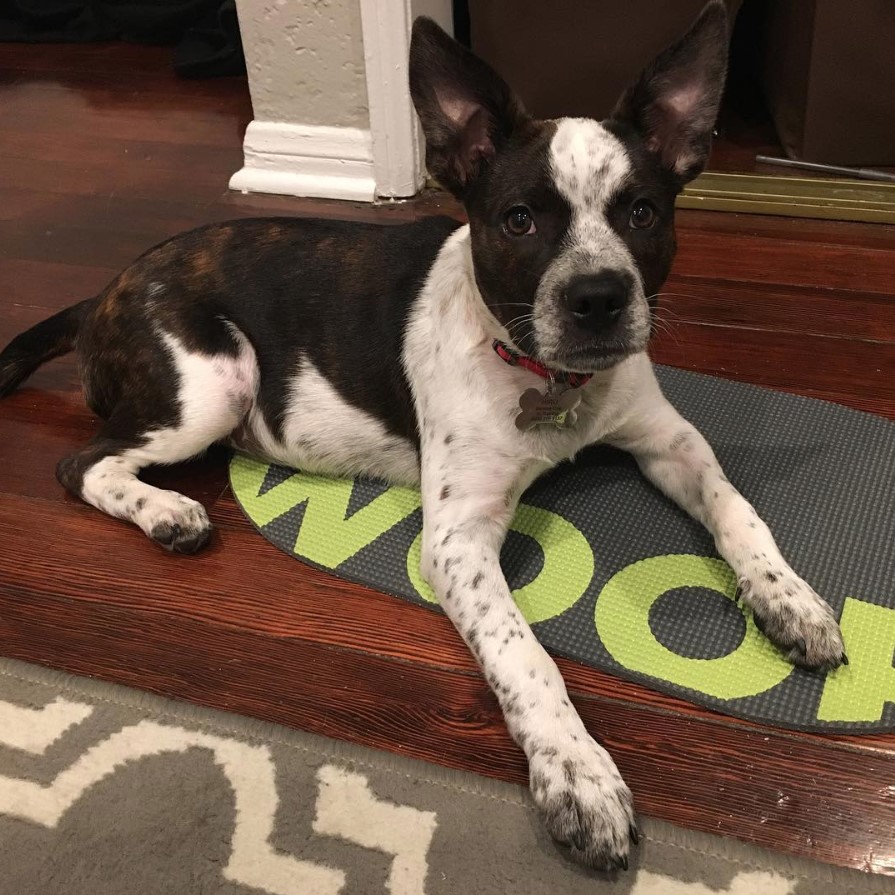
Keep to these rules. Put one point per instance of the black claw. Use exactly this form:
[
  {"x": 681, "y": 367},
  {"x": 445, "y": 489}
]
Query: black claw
[
  {"x": 844, "y": 659},
  {"x": 579, "y": 840},
  {"x": 801, "y": 646},
  {"x": 759, "y": 624},
  {"x": 634, "y": 833},
  {"x": 165, "y": 533},
  {"x": 623, "y": 862},
  {"x": 173, "y": 537},
  {"x": 579, "y": 837},
  {"x": 194, "y": 543}
]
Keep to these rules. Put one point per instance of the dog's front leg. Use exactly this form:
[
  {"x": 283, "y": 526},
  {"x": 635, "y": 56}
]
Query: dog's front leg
[
  {"x": 678, "y": 460},
  {"x": 574, "y": 781}
]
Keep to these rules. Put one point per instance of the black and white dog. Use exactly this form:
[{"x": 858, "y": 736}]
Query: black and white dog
[{"x": 464, "y": 359}]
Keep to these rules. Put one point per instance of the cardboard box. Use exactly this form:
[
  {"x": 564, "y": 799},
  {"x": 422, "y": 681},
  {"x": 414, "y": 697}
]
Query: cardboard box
[
  {"x": 575, "y": 57},
  {"x": 828, "y": 73}
]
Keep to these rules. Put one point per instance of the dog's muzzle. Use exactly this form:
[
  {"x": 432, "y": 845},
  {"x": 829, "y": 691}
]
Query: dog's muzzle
[{"x": 597, "y": 302}]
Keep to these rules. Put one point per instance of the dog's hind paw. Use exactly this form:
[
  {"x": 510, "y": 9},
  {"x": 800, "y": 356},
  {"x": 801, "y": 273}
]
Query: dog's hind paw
[
  {"x": 585, "y": 803},
  {"x": 175, "y": 522}
]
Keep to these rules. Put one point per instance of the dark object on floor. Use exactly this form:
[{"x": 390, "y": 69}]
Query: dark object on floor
[
  {"x": 611, "y": 574},
  {"x": 827, "y": 74},
  {"x": 573, "y": 58},
  {"x": 205, "y": 33}
]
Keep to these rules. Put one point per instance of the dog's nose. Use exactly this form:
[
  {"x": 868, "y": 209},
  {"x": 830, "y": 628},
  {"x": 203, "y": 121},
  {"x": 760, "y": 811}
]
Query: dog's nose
[{"x": 597, "y": 301}]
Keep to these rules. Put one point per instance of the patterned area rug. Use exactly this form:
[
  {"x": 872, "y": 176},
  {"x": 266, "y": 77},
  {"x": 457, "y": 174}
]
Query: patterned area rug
[{"x": 106, "y": 790}]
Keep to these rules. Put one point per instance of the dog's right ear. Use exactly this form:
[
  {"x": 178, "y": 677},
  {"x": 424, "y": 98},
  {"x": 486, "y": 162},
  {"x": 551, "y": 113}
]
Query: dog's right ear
[
  {"x": 674, "y": 104},
  {"x": 466, "y": 109}
]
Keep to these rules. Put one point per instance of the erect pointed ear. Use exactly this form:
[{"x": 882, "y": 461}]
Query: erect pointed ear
[
  {"x": 674, "y": 103},
  {"x": 466, "y": 109}
]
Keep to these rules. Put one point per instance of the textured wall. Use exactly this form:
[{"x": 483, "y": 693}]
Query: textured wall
[{"x": 305, "y": 60}]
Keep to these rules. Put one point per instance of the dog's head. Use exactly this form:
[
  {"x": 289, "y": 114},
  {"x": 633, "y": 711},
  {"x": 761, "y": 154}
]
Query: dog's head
[{"x": 571, "y": 220}]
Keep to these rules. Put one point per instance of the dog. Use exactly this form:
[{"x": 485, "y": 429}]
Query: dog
[{"x": 463, "y": 359}]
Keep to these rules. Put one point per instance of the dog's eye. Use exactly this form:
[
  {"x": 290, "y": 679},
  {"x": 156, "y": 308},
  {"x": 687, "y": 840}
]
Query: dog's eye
[
  {"x": 519, "y": 222},
  {"x": 643, "y": 215}
]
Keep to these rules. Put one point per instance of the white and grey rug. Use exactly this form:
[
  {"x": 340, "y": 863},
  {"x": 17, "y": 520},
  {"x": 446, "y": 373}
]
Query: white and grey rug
[{"x": 108, "y": 791}]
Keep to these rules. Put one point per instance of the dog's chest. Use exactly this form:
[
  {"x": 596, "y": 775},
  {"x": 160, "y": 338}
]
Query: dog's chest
[{"x": 468, "y": 398}]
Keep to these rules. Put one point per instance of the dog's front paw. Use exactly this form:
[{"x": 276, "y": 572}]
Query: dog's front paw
[
  {"x": 794, "y": 618},
  {"x": 584, "y": 802}
]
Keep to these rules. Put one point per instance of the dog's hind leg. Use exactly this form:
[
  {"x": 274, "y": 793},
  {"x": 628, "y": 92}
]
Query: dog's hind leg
[
  {"x": 104, "y": 474},
  {"x": 170, "y": 420}
]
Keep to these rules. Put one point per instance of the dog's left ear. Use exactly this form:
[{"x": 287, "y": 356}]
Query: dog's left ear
[
  {"x": 674, "y": 103},
  {"x": 467, "y": 110}
]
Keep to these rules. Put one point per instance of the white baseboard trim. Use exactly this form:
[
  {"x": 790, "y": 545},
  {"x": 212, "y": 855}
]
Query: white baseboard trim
[{"x": 306, "y": 160}]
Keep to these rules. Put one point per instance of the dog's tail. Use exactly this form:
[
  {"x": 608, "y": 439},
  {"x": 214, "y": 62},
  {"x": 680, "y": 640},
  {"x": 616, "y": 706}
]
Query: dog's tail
[{"x": 48, "y": 339}]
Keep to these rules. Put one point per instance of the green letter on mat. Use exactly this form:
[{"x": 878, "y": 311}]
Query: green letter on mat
[
  {"x": 859, "y": 691},
  {"x": 326, "y": 536},
  {"x": 622, "y": 620}
]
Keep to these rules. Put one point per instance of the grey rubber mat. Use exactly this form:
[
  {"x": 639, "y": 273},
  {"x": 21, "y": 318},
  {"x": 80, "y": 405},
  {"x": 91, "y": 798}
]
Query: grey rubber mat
[{"x": 613, "y": 575}]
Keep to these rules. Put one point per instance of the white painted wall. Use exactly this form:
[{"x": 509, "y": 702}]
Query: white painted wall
[
  {"x": 305, "y": 61},
  {"x": 332, "y": 111}
]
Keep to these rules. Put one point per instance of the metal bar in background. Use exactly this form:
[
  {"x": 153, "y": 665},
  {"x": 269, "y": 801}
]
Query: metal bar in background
[{"x": 854, "y": 173}]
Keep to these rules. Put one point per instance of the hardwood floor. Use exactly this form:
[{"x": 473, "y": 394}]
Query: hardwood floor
[{"x": 104, "y": 153}]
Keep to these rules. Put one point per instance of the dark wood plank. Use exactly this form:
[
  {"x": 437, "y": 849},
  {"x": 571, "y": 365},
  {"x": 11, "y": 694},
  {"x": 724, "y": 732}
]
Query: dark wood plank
[
  {"x": 841, "y": 233},
  {"x": 857, "y": 373},
  {"x": 764, "y": 259},
  {"x": 112, "y": 58},
  {"x": 174, "y": 116},
  {"x": 97, "y": 180},
  {"x": 85, "y": 150},
  {"x": 766, "y": 306},
  {"x": 33, "y": 290}
]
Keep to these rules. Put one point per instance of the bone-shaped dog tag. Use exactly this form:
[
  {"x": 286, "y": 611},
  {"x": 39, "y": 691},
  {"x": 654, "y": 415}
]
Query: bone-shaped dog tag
[{"x": 555, "y": 407}]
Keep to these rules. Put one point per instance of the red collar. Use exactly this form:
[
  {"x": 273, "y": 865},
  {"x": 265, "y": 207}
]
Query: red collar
[{"x": 514, "y": 359}]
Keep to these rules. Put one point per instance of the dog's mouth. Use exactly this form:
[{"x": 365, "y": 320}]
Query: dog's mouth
[
  {"x": 602, "y": 359},
  {"x": 591, "y": 355},
  {"x": 581, "y": 359},
  {"x": 576, "y": 358}
]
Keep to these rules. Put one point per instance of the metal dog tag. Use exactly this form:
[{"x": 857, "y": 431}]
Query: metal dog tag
[{"x": 555, "y": 407}]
